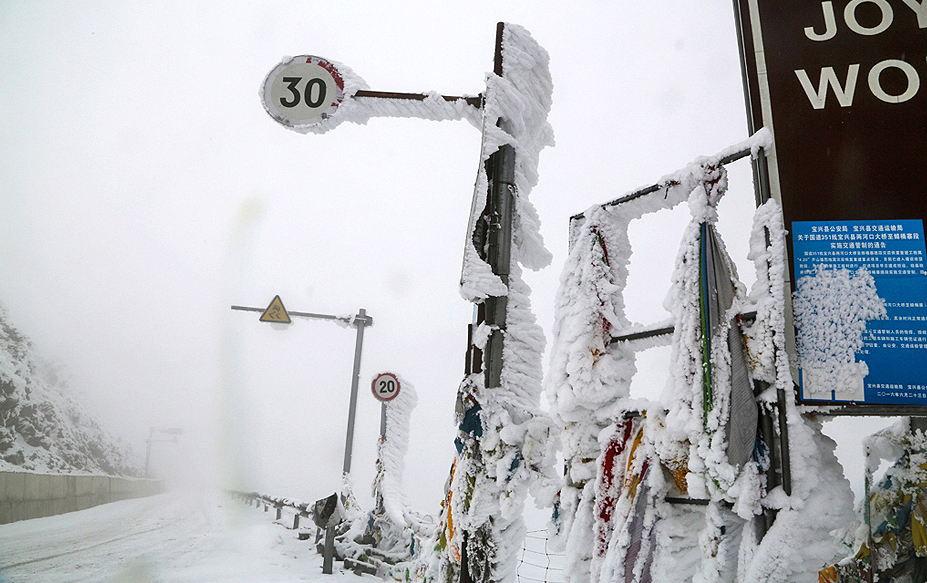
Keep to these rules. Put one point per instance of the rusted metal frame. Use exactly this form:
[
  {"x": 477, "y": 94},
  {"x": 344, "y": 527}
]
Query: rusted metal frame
[
  {"x": 783, "y": 467},
  {"x": 347, "y": 319},
  {"x": 733, "y": 157},
  {"x": 475, "y": 101},
  {"x": 748, "y": 317}
]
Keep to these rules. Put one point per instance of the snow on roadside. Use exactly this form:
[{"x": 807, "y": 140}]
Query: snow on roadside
[{"x": 178, "y": 537}]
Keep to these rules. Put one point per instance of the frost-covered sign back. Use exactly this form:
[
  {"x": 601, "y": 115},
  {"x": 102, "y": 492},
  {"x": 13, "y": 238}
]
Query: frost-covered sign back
[{"x": 842, "y": 84}]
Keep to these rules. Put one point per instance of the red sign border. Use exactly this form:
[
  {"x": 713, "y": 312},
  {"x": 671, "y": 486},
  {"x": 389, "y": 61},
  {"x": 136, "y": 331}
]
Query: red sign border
[{"x": 373, "y": 386}]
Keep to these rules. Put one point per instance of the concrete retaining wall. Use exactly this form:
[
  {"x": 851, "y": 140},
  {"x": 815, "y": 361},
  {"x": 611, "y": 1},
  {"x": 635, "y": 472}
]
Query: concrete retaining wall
[{"x": 24, "y": 495}]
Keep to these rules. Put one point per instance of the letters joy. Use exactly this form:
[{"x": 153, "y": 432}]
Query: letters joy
[{"x": 852, "y": 21}]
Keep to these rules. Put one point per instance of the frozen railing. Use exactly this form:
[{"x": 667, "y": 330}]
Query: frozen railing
[
  {"x": 536, "y": 563},
  {"x": 301, "y": 509}
]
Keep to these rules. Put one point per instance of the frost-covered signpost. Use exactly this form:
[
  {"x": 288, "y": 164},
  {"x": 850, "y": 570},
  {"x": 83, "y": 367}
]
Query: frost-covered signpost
[
  {"x": 502, "y": 442},
  {"x": 385, "y": 388}
]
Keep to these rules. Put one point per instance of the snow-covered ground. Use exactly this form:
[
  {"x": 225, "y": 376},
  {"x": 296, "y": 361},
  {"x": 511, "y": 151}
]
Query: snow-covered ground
[
  {"x": 189, "y": 536},
  {"x": 174, "y": 537}
]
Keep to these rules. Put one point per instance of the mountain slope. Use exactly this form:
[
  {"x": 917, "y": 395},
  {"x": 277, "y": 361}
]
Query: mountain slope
[{"x": 43, "y": 428}]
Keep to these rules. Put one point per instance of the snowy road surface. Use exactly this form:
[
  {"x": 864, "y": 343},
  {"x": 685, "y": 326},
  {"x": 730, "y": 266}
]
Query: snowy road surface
[{"x": 173, "y": 537}]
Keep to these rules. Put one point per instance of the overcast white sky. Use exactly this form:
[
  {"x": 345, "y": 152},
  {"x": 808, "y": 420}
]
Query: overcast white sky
[{"x": 144, "y": 190}]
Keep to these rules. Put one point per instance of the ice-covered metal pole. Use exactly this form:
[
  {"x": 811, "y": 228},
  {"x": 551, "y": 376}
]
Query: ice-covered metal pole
[
  {"x": 360, "y": 322},
  {"x": 501, "y": 169},
  {"x": 499, "y": 256},
  {"x": 762, "y": 194},
  {"x": 499, "y": 208}
]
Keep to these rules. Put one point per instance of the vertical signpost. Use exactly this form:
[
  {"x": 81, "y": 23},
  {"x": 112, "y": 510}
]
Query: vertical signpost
[
  {"x": 843, "y": 86},
  {"x": 275, "y": 312},
  {"x": 385, "y": 387},
  {"x": 497, "y": 240}
]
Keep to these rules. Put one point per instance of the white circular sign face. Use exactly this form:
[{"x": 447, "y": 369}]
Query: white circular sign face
[
  {"x": 385, "y": 386},
  {"x": 303, "y": 91}
]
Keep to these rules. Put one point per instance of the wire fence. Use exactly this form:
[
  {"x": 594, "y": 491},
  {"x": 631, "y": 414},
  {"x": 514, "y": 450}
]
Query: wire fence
[{"x": 537, "y": 563}]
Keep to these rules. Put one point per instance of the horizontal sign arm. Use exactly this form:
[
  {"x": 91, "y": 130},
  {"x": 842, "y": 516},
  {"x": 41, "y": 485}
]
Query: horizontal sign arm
[
  {"x": 348, "y": 319},
  {"x": 473, "y": 101}
]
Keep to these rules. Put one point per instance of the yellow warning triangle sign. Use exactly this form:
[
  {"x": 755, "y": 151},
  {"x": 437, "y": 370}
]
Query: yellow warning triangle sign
[{"x": 275, "y": 312}]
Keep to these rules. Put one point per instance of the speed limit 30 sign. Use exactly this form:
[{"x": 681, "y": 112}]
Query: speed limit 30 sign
[
  {"x": 385, "y": 386},
  {"x": 303, "y": 91}
]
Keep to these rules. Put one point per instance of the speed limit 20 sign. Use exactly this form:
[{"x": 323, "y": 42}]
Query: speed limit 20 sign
[
  {"x": 303, "y": 91},
  {"x": 385, "y": 386}
]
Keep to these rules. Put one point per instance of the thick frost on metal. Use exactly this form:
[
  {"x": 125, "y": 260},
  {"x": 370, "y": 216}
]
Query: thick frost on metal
[
  {"x": 515, "y": 113},
  {"x": 605, "y": 535},
  {"x": 504, "y": 438}
]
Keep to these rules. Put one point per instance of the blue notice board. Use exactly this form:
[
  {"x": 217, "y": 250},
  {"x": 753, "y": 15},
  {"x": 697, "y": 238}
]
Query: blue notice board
[{"x": 890, "y": 365}]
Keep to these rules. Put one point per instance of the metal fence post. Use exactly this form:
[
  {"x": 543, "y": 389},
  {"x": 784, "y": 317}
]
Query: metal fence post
[{"x": 329, "y": 554}]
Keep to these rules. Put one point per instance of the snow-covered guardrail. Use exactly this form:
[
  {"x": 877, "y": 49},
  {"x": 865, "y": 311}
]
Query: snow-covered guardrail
[
  {"x": 25, "y": 495},
  {"x": 302, "y": 509}
]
